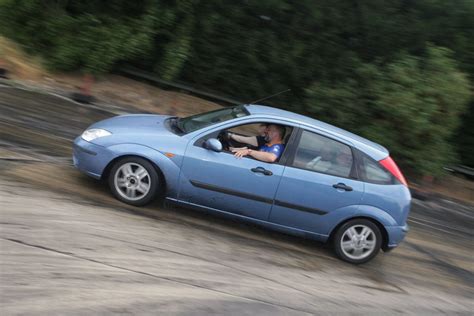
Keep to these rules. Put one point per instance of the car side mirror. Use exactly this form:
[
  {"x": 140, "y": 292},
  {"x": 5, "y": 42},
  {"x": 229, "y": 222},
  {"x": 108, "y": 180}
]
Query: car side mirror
[{"x": 213, "y": 144}]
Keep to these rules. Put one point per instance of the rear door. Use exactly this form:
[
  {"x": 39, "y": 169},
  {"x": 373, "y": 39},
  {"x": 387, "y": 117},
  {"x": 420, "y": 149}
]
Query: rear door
[{"x": 318, "y": 185}]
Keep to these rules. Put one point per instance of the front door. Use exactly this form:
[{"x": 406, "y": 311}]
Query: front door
[{"x": 221, "y": 181}]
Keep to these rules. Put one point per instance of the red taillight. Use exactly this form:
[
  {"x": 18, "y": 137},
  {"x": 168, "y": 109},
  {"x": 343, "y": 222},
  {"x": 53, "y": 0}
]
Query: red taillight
[{"x": 391, "y": 166}]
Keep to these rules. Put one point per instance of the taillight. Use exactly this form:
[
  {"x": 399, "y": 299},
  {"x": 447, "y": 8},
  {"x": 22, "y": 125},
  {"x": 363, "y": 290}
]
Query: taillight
[{"x": 391, "y": 166}]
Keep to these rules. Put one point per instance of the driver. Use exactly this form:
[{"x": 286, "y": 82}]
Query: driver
[
  {"x": 255, "y": 141},
  {"x": 271, "y": 151}
]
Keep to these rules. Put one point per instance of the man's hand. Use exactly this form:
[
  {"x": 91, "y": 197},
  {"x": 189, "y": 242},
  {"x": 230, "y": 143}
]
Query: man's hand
[{"x": 239, "y": 153}]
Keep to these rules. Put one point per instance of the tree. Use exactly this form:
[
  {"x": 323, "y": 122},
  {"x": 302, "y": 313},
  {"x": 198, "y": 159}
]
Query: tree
[
  {"x": 92, "y": 36},
  {"x": 411, "y": 105},
  {"x": 369, "y": 58},
  {"x": 465, "y": 138}
]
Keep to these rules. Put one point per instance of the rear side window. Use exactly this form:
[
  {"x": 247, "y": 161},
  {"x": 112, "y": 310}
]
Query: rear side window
[
  {"x": 321, "y": 154},
  {"x": 372, "y": 171}
]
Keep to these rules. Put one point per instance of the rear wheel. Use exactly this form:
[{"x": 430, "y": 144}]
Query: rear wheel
[
  {"x": 134, "y": 181},
  {"x": 357, "y": 241}
]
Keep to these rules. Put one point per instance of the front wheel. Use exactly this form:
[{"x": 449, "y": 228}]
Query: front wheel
[
  {"x": 134, "y": 181},
  {"x": 357, "y": 241}
]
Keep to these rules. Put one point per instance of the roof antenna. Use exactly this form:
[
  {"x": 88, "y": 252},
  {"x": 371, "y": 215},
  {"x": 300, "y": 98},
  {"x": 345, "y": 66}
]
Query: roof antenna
[{"x": 270, "y": 96}]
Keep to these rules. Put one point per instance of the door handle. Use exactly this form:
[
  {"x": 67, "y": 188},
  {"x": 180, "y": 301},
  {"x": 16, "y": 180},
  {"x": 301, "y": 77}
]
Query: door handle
[
  {"x": 342, "y": 186},
  {"x": 262, "y": 170}
]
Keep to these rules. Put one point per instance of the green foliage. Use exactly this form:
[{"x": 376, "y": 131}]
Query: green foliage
[
  {"x": 465, "y": 138},
  {"x": 411, "y": 105},
  {"x": 364, "y": 65},
  {"x": 71, "y": 37},
  {"x": 177, "y": 51}
]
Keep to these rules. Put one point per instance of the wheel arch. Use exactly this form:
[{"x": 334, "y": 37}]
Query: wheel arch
[
  {"x": 168, "y": 168},
  {"x": 108, "y": 168},
  {"x": 381, "y": 227}
]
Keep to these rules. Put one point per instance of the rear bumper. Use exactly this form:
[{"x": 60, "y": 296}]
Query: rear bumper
[
  {"x": 396, "y": 234},
  {"x": 90, "y": 158}
]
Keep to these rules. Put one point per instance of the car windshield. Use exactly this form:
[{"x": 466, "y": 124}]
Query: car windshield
[{"x": 192, "y": 123}]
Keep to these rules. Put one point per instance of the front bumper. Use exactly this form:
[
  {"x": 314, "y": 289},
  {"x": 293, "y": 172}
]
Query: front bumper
[
  {"x": 396, "y": 234},
  {"x": 90, "y": 158}
]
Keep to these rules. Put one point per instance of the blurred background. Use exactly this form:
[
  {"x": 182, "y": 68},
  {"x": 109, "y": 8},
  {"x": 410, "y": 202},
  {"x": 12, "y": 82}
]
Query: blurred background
[{"x": 398, "y": 72}]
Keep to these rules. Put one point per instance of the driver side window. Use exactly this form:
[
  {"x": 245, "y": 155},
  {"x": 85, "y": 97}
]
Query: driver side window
[
  {"x": 246, "y": 129},
  {"x": 253, "y": 136}
]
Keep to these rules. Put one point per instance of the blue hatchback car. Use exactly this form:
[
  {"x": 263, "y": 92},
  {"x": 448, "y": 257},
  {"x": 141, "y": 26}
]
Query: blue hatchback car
[{"x": 321, "y": 182}]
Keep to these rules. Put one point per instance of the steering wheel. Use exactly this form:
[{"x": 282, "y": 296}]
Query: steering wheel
[{"x": 224, "y": 138}]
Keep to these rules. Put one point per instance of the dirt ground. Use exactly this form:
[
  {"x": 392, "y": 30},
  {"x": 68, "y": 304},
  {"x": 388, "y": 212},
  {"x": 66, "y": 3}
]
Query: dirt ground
[
  {"x": 27, "y": 71},
  {"x": 68, "y": 247}
]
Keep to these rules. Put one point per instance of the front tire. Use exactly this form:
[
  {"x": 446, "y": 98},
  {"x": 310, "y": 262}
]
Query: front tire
[
  {"x": 357, "y": 241},
  {"x": 135, "y": 181}
]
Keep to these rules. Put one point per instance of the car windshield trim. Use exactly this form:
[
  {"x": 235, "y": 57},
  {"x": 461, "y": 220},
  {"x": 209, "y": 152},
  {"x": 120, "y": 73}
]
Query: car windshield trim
[
  {"x": 171, "y": 124},
  {"x": 195, "y": 122}
]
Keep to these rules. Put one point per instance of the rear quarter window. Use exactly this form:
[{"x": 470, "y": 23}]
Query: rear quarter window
[{"x": 371, "y": 171}]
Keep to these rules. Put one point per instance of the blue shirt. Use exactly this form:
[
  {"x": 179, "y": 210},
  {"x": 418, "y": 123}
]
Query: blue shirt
[{"x": 276, "y": 149}]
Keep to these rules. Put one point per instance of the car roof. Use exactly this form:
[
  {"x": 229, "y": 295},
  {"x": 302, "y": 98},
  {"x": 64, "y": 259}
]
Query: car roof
[{"x": 371, "y": 148}]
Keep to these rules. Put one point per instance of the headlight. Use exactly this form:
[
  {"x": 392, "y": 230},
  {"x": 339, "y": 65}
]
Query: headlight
[{"x": 94, "y": 133}]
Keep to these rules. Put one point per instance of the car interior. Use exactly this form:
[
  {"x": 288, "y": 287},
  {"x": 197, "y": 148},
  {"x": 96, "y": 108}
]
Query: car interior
[
  {"x": 253, "y": 130},
  {"x": 243, "y": 130},
  {"x": 323, "y": 155}
]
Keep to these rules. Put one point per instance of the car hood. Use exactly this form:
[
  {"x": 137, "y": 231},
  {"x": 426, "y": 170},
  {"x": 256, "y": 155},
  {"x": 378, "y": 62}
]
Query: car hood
[
  {"x": 144, "y": 129},
  {"x": 134, "y": 123}
]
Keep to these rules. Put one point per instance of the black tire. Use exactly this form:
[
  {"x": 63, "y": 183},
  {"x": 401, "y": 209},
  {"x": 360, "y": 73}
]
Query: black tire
[
  {"x": 152, "y": 178},
  {"x": 350, "y": 253}
]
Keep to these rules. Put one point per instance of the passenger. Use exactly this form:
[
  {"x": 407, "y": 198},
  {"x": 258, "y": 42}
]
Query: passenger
[
  {"x": 323, "y": 162},
  {"x": 269, "y": 152},
  {"x": 343, "y": 164}
]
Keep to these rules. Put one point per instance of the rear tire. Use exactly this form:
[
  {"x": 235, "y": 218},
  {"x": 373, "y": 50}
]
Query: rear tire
[
  {"x": 357, "y": 241},
  {"x": 135, "y": 181}
]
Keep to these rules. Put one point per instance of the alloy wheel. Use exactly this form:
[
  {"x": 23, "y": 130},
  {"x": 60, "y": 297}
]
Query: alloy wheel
[{"x": 132, "y": 181}]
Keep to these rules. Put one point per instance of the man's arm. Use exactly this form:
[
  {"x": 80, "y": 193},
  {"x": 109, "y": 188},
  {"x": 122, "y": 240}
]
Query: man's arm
[
  {"x": 251, "y": 140},
  {"x": 260, "y": 155},
  {"x": 235, "y": 149}
]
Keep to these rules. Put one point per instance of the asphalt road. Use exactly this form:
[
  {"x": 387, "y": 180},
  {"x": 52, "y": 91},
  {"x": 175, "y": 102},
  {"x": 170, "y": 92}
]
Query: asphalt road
[{"x": 68, "y": 247}]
